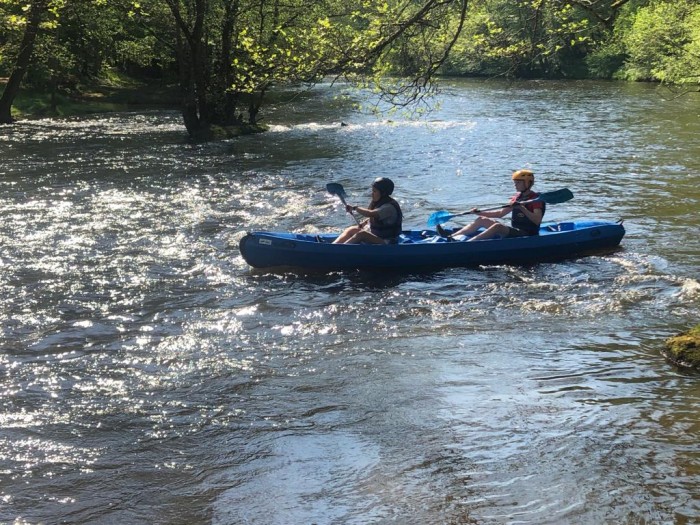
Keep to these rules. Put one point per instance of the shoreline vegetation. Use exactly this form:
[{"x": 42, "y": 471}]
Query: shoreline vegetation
[
  {"x": 110, "y": 96},
  {"x": 101, "y": 96},
  {"x": 131, "y": 94},
  {"x": 120, "y": 93}
]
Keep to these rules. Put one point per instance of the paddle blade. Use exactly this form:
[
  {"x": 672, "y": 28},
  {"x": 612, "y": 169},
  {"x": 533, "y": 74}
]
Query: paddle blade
[
  {"x": 556, "y": 197},
  {"x": 439, "y": 217},
  {"x": 336, "y": 189}
]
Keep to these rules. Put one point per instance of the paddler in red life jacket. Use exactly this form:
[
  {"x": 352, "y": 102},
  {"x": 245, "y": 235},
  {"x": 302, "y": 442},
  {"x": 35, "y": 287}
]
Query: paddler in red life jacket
[
  {"x": 525, "y": 219},
  {"x": 384, "y": 218}
]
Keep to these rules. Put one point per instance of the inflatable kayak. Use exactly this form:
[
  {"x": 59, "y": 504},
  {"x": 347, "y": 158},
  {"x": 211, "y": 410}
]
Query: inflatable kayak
[{"x": 418, "y": 249}]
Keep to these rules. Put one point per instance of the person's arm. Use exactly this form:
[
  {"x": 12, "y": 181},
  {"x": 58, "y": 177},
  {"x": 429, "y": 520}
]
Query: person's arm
[
  {"x": 495, "y": 214},
  {"x": 350, "y": 209},
  {"x": 365, "y": 212}
]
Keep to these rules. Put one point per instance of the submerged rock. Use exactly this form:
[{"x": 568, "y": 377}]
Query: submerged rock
[
  {"x": 215, "y": 132},
  {"x": 684, "y": 349},
  {"x": 238, "y": 130}
]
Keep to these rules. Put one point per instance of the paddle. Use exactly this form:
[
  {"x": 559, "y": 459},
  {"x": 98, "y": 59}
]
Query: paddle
[
  {"x": 549, "y": 197},
  {"x": 337, "y": 189}
]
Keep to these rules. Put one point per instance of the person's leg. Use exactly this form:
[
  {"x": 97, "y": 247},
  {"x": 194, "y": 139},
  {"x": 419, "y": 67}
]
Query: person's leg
[
  {"x": 480, "y": 222},
  {"x": 366, "y": 237},
  {"x": 347, "y": 234},
  {"x": 492, "y": 231}
]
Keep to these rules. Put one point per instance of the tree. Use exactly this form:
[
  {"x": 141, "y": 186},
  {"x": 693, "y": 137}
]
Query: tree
[
  {"x": 35, "y": 13},
  {"x": 533, "y": 38},
  {"x": 662, "y": 43},
  {"x": 231, "y": 52},
  {"x": 55, "y": 44}
]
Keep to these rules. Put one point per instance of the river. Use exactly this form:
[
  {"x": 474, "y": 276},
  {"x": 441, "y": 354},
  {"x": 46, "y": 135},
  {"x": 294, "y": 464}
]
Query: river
[{"x": 149, "y": 376}]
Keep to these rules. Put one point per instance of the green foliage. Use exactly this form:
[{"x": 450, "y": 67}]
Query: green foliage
[
  {"x": 605, "y": 60},
  {"x": 637, "y": 39},
  {"x": 524, "y": 38},
  {"x": 663, "y": 43},
  {"x": 286, "y": 52},
  {"x": 12, "y": 23}
]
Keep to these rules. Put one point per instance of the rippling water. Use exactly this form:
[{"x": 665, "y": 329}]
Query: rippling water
[{"x": 149, "y": 376}]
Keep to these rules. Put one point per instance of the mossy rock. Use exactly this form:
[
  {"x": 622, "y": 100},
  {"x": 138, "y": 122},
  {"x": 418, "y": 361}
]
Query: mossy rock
[
  {"x": 230, "y": 132},
  {"x": 684, "y": 349},
  {"x": 214, "y": 132}
]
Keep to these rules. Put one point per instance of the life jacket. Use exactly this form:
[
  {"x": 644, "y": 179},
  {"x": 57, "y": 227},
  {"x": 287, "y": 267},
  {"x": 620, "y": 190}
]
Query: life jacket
[
  {"x": 518, "y": 219},
  {"x": 386, "y": 229}
]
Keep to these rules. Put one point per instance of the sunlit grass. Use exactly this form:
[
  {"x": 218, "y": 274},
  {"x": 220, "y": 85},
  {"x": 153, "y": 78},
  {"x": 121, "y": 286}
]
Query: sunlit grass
[{"x": 104, "y": 96}]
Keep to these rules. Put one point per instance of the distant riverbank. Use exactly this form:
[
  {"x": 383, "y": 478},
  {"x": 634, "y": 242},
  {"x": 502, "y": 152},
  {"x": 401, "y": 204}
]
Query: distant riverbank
[{"x": 99, "y": 97}]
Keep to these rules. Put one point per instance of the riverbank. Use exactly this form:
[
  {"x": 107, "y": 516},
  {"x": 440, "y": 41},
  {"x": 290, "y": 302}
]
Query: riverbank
[
  {"x": 113, "y": 95},
  {"x": 103, "y": 96}
]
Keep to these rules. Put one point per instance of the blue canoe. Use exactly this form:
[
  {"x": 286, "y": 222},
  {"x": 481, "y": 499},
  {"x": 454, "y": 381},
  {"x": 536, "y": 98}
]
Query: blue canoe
[{"x": 418, "y": 249}]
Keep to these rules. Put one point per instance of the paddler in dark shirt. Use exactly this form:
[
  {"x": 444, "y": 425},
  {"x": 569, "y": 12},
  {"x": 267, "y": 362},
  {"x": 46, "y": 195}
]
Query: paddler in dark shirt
[{"x": 384, "y": 218}]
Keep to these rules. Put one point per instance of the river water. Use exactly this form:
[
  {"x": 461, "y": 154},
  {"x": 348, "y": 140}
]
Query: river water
[{"x": 148, "y": 375}]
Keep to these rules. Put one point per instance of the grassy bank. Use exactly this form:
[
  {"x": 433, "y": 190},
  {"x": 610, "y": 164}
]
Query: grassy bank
[{"x": 102, "y": 96}]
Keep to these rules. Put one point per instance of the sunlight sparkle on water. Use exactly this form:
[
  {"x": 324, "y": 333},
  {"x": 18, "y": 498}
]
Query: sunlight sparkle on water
[
  {"x": 248, "y": 310},
  {"x": 31, "y": 453},
  {"x": 690, "y": 289}
]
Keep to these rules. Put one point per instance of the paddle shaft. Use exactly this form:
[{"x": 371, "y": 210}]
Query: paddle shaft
[
  {"x": 342, "y": 199},
  {"x": 479, "y": 210}
]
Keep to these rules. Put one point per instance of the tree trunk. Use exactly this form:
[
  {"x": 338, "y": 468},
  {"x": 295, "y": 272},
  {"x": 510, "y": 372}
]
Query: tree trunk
[
  {"x": 225, "y": 112},
  {"x": 192, "y": 63},
  {"x": 36, "y": 10},
  {"x": 190, "y": 115}
]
